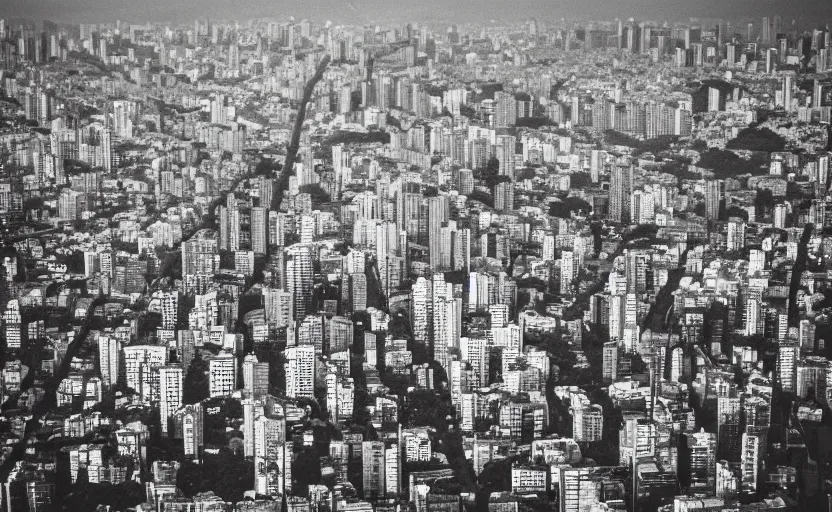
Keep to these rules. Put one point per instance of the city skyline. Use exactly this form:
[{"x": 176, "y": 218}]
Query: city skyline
[
  {"x": 807, "y": 12},
  {"x": 286, "y": 265}
]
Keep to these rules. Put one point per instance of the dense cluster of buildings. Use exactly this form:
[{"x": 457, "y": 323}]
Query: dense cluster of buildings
[{"x": 532, "y": 266}]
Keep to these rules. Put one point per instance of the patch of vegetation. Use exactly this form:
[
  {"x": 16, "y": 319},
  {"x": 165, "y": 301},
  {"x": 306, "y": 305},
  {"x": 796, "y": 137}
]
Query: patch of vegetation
[
  {"x": 656, "y": 145},
  {"x": 319, "y": 195},
  {"x": 479, "y": 195},
  {"x": 563, "y": 209},
  {"x": 347, "y": 137},
  {"x": 535, "y": 122},
  {"x": 726, "y": 164},
  {"x": 679, "y": 169},
  {"x": 757, "y": 139},
  {"x": 486, "y": 91},
  {"x": 525, "y": 174},
  {"x": 616, "y": 138}
]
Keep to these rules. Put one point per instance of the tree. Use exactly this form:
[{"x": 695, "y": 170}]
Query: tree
[
  {"x": 699, "y": 145},
  {"x": 534, "y": 122},
  {"x": 496, "y": 475},
  {"x": 496, "y": 180},
  {"x": 227, "y": 411},
  {"x": 33, "y": 203},
  {"x": 736, "y": 211},
  {"x": 430, "y": 191},
  {"x": 616, "y": 138},
  {"x": 757, "y": 139},
  {"x": 563, "y": 209},
  {"x": 226, "y": 474},
  {"x": 490, "y": 171},
  {"x": 641, "y": 231},
  {"x": 319, "y": 195},
  {"x": 490, "y": 174},
  {"x": 486, "y": 92},
  {"x": 679, "y": 169},
  {"x": 726, "y": 164},
  {"x": 196, "y": 386},
  {"x": 763, "y": 202},
  {"x": 794, "y": 192},
  {"x": 426, "y": 408},
  {"x": 656, "y": 145},
  {"x": 483, "y": 197},
  {"x": 434, "y": 90},
  {"x": 580, "y": 180},
  {"x": 393, "y": 121},
  {"x": 597, "y": 238},
  {"x": 526, "y": 173},
  {"x": 347, "y": 137},
  {"x": 468, "y": 111},
  {"x": 265, "y": 167},
  {"x": 86, "y": 496},
  {"x": 306, "y": 470}
]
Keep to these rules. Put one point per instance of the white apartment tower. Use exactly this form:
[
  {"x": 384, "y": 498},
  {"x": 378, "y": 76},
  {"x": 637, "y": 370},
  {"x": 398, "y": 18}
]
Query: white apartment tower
[
  {"x": 171, "y": 380},
  {"x": 139, "y": 363},
  {"x": 222, "y": 374},
  {"x": 300, "y": 371},
  {"x": 109, "y": 355}
]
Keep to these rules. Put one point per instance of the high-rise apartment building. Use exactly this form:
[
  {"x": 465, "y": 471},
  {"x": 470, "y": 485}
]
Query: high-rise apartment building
[
  {"x": 788, "y": 354},
  {"x": 170, "y": 309},
  {"x": 140, "y": 361},
  {"x": 109, "y": 359},
  {"x": 300, "y": 371},
  {"x": 189, "y": 428},
  {"x": 255, "y": 377},
  {"x": 272, "y": 455},
  {"x": 171, "y": 381},
  {"x": 714, "y": 195},
  {"x": 12, "y": 321},
  {"x": 621, "y": 190},
  {"x": 340, "y": 335},
  {"x": 751, "y": 462},
  {"x": 259, "y": 229},
  {"x": 222, "y": 374},
  {"x": 505, "y": 154},
  {"x": 373, "y": 458},
  {"x": 299, "y": 274}
]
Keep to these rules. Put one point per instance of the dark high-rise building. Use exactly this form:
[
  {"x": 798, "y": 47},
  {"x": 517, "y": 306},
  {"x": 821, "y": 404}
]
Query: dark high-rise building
[
  {"x": 621, "y": 189},
  {"x": 714, "y": 198}
]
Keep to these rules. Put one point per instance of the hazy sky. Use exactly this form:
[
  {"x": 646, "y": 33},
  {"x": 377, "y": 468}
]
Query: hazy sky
[{"x": 362, "y": 11}]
